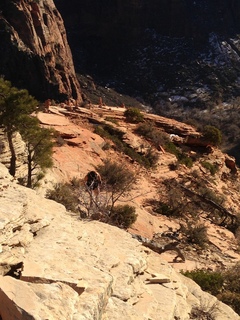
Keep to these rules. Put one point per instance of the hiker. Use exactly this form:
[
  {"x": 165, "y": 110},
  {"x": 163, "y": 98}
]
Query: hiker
[
  {"x": 47, "y": 104},
  {"x": 93, "y": 181}
]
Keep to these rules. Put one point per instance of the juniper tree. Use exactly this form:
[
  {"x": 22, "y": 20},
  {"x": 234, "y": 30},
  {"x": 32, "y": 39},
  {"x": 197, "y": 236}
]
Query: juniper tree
[
  {"x": 15, "y": 107},
  {"x": 39, "y": 147}
]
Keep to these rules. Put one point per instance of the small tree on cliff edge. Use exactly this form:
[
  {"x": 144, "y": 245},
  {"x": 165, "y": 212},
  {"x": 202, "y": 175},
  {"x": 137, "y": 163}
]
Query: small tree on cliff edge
[
  {"x": 15, "y": 107},
  {"x": 39, "y": 147}
]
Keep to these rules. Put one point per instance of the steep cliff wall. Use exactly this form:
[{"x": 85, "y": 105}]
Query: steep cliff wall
[{"x": 34, "y": 50}]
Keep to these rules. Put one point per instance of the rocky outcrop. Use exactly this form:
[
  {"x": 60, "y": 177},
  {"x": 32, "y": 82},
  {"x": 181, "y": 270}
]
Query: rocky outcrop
[
  {"x": 231, "y": 164},
  {"x": 70, "y": 269},
  {"x": 172, "y": 126},
  {"x": 34, "y": 50}
]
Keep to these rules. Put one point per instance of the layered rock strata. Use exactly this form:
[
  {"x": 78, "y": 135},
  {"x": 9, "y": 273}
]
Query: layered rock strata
[{"x": 34, "y": 50}]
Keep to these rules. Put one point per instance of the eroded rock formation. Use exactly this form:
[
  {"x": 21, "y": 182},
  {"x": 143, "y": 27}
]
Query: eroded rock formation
[{"x": 34, "y": 50}]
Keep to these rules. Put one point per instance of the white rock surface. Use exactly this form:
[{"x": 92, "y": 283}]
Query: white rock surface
[{"x": 79, "y": 270}]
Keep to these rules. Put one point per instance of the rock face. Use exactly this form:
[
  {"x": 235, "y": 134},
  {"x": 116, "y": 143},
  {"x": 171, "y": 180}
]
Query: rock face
[
  {"x": 34, "y": 50},
  {"x": 73, "y": 269}
]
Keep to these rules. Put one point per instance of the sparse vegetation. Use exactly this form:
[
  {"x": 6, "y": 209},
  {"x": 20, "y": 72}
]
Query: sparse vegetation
[
  {"x": 148, "y": 159},
  {"x": 213, "y": 168},
  {"x": 202, "y": 313},
  {"x": 123, "y": 216},
  {"x": 64, "y": 193},
  {"x": 175, "y": 203},
  {"x": 181, "y": 156},
  {"x": 232, "y": 299},
  {"x": 210, "y": 194},
  {"x": 111, "y": 119},
  {"x": 150, "y": 133},
  {"x": 196, "y": 233},
  {"x": 210, "y": 281},
  {"x": 133, "y": 115},
  {"x": 165, "y": 209},
  {"x": 118, "y": 180},
  {"x": 225, "y": 285}
]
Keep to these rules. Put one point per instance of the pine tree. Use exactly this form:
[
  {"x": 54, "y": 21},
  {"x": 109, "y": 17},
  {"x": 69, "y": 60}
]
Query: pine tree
[
  {"x": 15, "y": 107},
  {"x": 39, "y": 147}
]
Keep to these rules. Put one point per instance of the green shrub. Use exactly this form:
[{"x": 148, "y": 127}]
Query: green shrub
[
  {"x": 212, "y": 135},
  {"x": 106, "y": 146},
  {"x": 231, "y": 293},
  {"x": 181, "y": 156},
  {"x": 210, "y": 281},
  {"x": 211, "y": 167},
  {"x": 117, "y": 177},
  {"x": 164, "y": 209},
  {"x": 145, "y": 129},
  {"x": 187, "y": 161},
  {"x": 64, "y": 194},
  {"x": 147, "y": 160},
  {"x": 150, "y": 158},
  {"x": 171, "y": 148},
  {"x": 133, "y": 115},
  {"x": 108, "y": 131},
  {"x": 123, "y": 216}
]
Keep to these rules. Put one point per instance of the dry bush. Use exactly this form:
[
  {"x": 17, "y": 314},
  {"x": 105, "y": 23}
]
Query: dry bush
[
  {"x": 150, "y": 133},
  {"x": 232, "y": 299},
  {"x": 196, "y": 233},
  {"x": 204, "y": 312},
  {"x": 65, "y": 194}
]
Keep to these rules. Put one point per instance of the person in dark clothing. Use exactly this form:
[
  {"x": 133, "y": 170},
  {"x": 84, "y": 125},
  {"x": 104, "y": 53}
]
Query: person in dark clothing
[{"x": 93, "y": 182}]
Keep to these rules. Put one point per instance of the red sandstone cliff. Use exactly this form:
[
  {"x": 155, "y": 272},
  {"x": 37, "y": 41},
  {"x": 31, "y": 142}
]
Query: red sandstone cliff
[{"x": 34, "y": 50}]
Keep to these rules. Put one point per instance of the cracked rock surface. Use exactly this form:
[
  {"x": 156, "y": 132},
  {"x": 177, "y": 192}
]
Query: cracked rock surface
[{"x": 55, "y": 266}]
